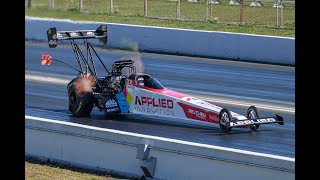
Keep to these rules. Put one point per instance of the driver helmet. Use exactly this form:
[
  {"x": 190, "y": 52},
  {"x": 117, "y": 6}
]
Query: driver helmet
[{"x": 141, "y": 81}]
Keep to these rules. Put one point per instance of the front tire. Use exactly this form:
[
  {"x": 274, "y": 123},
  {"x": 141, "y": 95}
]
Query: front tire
[
  {"x": 252, "y": 113},
  {"x": 224, "y": 118},
  {"x": 80, "y": 102}
]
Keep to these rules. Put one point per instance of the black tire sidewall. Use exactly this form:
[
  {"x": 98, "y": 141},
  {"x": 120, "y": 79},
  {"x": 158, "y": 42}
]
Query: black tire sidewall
[{"x": 84, "y": 102}]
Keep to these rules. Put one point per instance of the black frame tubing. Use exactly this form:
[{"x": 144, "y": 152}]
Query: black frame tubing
[
  {"x": 89, "y": 44},
  {"x": 73, "y": 44},
  {"x": 79, "y": 53},
  {"x": 89, "y": 56}
]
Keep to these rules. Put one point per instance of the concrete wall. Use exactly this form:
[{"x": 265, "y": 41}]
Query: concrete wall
[
  {"x": 234, "y": 46},
  {"x": 115, "y": 151}
]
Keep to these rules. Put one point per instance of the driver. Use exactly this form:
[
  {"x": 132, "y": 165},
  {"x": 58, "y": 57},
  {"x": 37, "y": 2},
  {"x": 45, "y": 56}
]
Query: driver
[{"x": 141, "y": 81}]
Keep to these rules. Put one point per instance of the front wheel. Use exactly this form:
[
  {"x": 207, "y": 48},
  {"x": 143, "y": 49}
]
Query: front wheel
[
  {"x": 224, "y": 118},
  {"x": 252, "y": 113},
  {"x": 80, "y": 101}
]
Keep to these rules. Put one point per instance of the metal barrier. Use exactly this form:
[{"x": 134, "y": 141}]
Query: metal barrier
[
  {"x": 136, "y": 155},
  {"x": 222, "y": 45}
]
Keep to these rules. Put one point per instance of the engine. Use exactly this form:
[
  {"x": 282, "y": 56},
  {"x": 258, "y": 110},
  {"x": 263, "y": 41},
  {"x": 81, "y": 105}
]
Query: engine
[{"x": 110, "y": 86}]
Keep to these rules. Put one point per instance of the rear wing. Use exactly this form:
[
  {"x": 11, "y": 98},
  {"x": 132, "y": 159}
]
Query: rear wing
[{"x": 54, "y": 35}]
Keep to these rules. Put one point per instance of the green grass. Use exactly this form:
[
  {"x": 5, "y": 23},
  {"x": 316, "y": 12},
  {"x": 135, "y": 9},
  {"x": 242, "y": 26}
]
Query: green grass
[
  {"x": 38, "y": 170},
  {"x": 222, "y": 17}
]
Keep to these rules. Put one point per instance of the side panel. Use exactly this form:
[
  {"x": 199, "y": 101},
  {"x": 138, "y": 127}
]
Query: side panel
[
  {"x": 123, "y": 103},
  {"x": 146, "y": 102},
  {"x": 151, "y": 103}
]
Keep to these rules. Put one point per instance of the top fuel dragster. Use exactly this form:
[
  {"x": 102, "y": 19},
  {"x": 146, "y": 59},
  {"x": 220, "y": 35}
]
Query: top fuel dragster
[{"x": 137, "y": 93}]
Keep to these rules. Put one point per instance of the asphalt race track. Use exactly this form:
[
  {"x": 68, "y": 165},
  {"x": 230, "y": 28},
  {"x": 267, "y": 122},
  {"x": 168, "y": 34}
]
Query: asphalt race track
[{"x": 230, "y": 84}]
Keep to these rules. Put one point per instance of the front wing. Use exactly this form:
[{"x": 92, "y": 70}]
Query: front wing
[{"x": 247, "y": 122}]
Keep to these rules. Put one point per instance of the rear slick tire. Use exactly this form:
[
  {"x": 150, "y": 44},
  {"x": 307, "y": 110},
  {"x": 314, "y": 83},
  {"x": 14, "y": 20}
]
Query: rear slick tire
[
  {"x": 80, "y": 102},
  {"x": 225, "y": 117}
]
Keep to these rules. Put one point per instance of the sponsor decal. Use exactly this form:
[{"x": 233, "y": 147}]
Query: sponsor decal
[
  {"x": 189, "y": 99},
  {"x": 154, "y": 102},
  {"x": 209, "y": 105},
  {"x": 198, "y": 114},
  {"x": 115, "y": 109},
  {"x": 155, "y": 106},
  {"x": 111, "y": 105},
  {"x": 193, "y": 112},
  {"x": 201, "y": 103},
  {"x": 252, "y": 121},
  {"x": 73, "y": 34},
  {"x": 79, "y": 107},
  {"x": 212, "y": 117},
  {"x": 155, "y": 111},
  {"x": 266, "y": 120},
  {"x": 89, "y": 33}
]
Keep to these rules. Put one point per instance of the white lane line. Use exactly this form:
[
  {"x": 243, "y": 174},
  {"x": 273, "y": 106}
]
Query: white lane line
[
  {"x": 245, "y": 104},
  {"x": 253, "y": 99},
  {"x": 162, "y": 138},
  {"x": 236, "y": 102},
  {"x": 44, "y": 79},
  {"x": 242, "y": 101}
]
